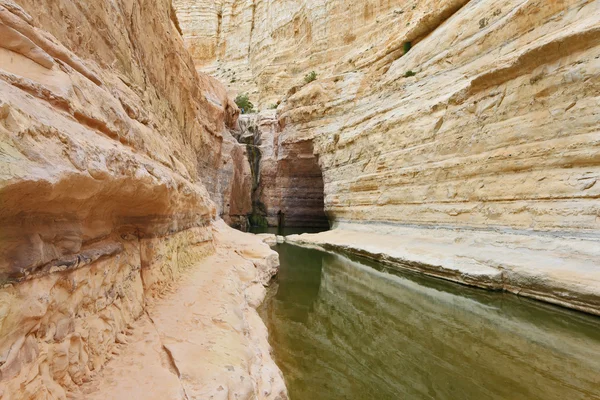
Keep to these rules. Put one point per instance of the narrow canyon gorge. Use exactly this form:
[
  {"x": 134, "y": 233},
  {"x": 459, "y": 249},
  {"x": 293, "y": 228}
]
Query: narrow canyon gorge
[{"x": 456, "y": 139}]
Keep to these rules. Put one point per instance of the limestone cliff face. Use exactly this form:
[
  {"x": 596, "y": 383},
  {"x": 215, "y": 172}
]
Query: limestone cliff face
[
  {"x": 447, "y": 112},
  {"x": 127, "y": 138},
  {"x": 266, "y": 47},
  {"x": 499, "y": 126},
  {"x": 115, "y": 157},
  {"x": 287, "y": 181}
]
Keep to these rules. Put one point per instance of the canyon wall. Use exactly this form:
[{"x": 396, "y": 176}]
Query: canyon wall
[
  {"x": 455, "y": 138},
  {"x": 431, "y": 113},
  {"x": 129, "y": 138},
  {"x": 266, "y": 47},
  {"x": 287, "y": 185},
  {"x": 115, "y": 161}
]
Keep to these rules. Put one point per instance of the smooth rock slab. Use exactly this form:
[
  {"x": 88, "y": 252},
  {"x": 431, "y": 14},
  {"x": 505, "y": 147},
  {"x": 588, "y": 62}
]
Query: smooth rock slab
[
  {"x": 268, "y": 238},
  {"x": 560, "y": 269}
]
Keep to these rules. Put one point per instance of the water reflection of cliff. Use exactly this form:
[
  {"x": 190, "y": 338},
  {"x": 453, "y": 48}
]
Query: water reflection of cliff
[{"x": 344, "y": 330}]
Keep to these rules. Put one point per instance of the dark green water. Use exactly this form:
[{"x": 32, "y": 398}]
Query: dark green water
[
  {"x": 345, "y": 328},
  {"x": 285, "y": 231}
]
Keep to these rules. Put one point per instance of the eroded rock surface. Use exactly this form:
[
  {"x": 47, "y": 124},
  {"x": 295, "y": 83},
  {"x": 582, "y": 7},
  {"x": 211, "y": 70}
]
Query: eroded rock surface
[
  {"x": 115, "y": 162},
  {"x": 434, "y": 113},
  {"x": 497, "y": 127},
  {"x": 129, "y": 141},
  {"x": 287, "y": 185},
  {"x": 203, "y": 339}
]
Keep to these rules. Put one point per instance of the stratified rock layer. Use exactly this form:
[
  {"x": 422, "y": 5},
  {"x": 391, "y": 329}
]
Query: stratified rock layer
[
  {"x": 497, "y": 127},
  {"x": 115, "y": 161},
  {"x": 288, "y": 184},
  {"x": 266, "y": 47},
  {"x": 466, "y": 115},
  {"x": 129, "y": 141}
]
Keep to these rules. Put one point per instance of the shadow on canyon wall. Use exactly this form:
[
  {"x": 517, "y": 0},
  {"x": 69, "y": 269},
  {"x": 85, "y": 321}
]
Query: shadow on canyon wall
[{"x": 287, "y": 182}]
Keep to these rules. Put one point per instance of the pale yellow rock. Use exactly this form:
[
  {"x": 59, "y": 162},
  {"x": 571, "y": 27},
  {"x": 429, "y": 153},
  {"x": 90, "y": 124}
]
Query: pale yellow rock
[
  {"x": 115, "y": 162},
  {"x": 268, "y": 238},
  {"x": 77, "y": 334},
  {"x": 266, "y": 47},
  {"x": 104, "y": 140},
  {"x": 496, "y": 129},
  {"x": 488, "y": 123},
  {"x": 475, "y": 157},
  {"x": 204, "y": 340}
]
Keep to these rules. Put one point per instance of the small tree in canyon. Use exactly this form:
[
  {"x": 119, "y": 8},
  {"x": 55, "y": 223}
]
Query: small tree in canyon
[{"x": 244, "y": 104}]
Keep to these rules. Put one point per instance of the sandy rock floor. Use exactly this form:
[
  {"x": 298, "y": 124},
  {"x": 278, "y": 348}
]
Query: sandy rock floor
[{"x": 204, "y": 339}]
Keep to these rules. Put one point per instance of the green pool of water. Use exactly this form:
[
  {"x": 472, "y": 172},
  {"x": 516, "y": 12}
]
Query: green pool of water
[
  {"x": 286, "y": 231},
  {"x": 345, "y": 328}
]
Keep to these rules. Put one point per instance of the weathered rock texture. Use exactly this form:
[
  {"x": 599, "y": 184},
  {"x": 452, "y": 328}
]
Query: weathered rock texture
[
  {"x": 115, "y": 159},
  {"x": 433, "y": 113},
  {"x": 498, "y": 127},
  {"x": 130, "y": 140},
  {"x": 203, "y": 339},
  {"x": 266, "y": 47},
  {"x": 171, "y": 319},
  {"x": 287, "y": 181}
]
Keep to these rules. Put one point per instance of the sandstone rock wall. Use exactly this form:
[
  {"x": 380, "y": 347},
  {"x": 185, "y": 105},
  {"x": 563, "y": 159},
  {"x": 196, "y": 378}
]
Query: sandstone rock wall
[
  {"x": 59, "y": 329},
  {"x": 460, "y": 113},
  {"x": 288, "y": 184},
  {"x": 266, "y": 47},
  {"x": 499, "y": 127},
  {"x": 127, "y": 139},
  {"x": 114, "y": 160}
]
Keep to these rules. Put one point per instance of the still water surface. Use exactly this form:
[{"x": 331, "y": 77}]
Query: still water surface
[{"x": 346, "y": 328}]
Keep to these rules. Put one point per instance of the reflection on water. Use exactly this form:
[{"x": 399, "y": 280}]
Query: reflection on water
[
  {"x": 286, "y": 231},
  {"x": 345, "y": 329}
]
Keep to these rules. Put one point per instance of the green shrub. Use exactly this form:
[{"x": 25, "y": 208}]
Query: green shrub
[
  {"x": 257, "y": 220},
  {"x": 311, "y": 76},
  {"x": 409, "y": 73},
  {"x": 407, "y": 46},
  {"x": 244, "y": 104},
  {"x": 272, "y": 106}
]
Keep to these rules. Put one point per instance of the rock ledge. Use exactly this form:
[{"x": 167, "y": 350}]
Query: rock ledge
[{"x": 557, "y": 269}]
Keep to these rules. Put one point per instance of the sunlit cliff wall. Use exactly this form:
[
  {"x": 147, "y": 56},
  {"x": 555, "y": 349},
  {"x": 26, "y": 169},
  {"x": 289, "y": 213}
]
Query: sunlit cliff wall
[
  {"x": 458, "y": 113},
  {"x": 115, "y": 156}
]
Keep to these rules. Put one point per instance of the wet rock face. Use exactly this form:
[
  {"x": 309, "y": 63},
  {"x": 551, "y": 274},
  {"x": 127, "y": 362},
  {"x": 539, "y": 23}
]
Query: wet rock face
[
  {"x": 437, "y": 112},
  {"x": 287, "y": 180},
  {"x": 235, "y": 189}
]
